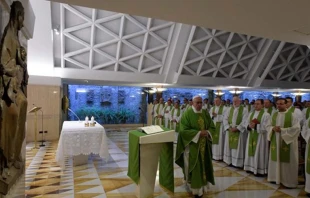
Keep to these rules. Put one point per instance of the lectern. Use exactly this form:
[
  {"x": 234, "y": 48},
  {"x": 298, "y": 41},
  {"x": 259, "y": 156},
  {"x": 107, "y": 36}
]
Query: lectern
[
  {"x": 35, "y": 110},
  {"x": 145, "y": 153}
]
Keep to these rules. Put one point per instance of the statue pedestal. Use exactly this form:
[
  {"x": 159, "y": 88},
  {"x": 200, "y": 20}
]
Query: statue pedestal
[{"x": 5, "y": 185}]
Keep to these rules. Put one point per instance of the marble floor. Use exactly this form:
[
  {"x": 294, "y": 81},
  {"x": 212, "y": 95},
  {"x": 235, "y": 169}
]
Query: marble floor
[{"x": 44, "y": 178}]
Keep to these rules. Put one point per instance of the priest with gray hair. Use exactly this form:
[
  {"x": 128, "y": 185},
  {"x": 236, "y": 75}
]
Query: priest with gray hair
[{"x": 194, "y": 151}]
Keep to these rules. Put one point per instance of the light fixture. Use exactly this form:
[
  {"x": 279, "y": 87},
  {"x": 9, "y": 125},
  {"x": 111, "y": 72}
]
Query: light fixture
[
  {"x": 152, "y": 91},
  {"x": 219, "y": 93},
  {"x": 236, "y": 91},
  {"x": 56, "y": 30},
  {"x": 54, "y": 92},
  {"x": 81, "y": 90},
  {"x": 276, "y": 94},
  {"x": 160, "y": 89},
  {"x": 298, "y": 93}
]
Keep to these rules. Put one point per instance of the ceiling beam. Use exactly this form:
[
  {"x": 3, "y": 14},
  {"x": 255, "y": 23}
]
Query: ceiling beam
[
  {"x": 260, "y": 79},
  {"x": 112, "y": 76},
  {"x": 62, "y": 36},
  {"x": 284, "y": 84},
  {"x": 176, "y": 51},
  {"x": 209, "y": 81},
  {"x": 262, "y": 59}
]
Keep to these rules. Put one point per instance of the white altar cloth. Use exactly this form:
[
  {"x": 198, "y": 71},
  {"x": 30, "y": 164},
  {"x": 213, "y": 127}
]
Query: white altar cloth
[{"x": 76, "y": 139}]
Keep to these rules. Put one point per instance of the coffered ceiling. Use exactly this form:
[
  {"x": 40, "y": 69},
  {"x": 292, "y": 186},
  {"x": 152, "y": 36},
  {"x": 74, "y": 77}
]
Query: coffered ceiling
[{"x": 102, "y": 46}]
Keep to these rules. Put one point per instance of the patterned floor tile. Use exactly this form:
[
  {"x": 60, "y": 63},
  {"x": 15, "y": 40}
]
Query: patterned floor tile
[{"x": 100, "y": 179}]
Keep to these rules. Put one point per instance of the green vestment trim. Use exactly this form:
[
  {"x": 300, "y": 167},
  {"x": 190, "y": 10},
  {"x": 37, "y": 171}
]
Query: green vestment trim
[
  {"x": 292, "y": 109},
  {"x": 177, "y": 124},
  {"x": 249, "y": 108},
  {"x": 234, "y": 136},
  {"x": 307, "y": 113},
  {"x": 270, "y": 110},
  {"x": 284, "y": 148},
  {"x": 166, "y": 168},
  {"x": 216, "y": 134},
  {"x": 200, "y": 170},
  {"x": 308, "y": 157},
  {"x": 253, "y": 136}
]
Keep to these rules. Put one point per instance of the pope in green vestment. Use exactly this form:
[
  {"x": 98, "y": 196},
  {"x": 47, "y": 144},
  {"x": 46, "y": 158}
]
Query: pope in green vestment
[{"x": 194, "y": 153}]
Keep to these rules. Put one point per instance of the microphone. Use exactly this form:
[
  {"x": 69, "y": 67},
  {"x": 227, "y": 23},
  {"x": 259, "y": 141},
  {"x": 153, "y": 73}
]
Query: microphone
[{"x": 74, "y": 114}]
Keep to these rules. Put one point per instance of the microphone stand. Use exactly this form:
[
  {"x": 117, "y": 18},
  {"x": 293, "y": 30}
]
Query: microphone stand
[
  {"x": 74, "y": 114},
  {"x": 42, "y": 145},
  {"x": 142, "y": 111}
]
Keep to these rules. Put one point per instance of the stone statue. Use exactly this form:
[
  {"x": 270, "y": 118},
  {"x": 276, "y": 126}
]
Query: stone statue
[{"x": 14, "y": 102}]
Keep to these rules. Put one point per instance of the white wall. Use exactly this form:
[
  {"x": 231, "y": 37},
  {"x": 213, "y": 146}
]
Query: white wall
[{"x": 40, "y": 48}]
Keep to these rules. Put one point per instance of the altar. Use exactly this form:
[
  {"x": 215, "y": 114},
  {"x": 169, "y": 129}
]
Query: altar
[{"x": 79, "y": 141}]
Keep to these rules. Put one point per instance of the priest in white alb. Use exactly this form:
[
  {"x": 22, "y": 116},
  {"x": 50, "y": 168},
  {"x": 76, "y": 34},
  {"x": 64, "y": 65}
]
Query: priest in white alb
[
  {"x": 306, "y": 135},
  {"x": 268, "y": 106},
  {"x": 290, "y": 107},
  {"x": 175, "y": 116},
  {"x": 158, "y": 117},
  {"x": 256, "y": 151},
  {"x": 283, "y": 137},
  {"x": 166, "y": 113},
  {"x": 217, "y": 113},
  {"x": 306, "y": 110},
  {"x": 235, "y": 126}
]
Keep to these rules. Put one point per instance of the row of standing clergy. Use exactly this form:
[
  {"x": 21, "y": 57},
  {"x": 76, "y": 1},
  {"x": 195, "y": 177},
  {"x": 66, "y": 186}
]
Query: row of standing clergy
[{"x": 242, "y": 140}]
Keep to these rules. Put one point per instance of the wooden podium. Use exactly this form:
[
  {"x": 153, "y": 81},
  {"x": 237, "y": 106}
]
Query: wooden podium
[
  {"x": 35, "y": 111},
  {"x": 150, "y": 148}
]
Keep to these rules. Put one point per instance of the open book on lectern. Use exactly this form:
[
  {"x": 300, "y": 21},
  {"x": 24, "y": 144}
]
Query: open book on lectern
[{"x": 151, "y": 129}]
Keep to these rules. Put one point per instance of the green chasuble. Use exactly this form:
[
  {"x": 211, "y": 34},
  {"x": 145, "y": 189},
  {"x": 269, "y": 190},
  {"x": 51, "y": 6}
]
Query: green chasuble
[
  {"x": 253, "y": 136},
  {"x": 308, "y": 157},
  {"x": 284, "y": 148},
  {"x": 234, "y": 136},
  {"x": 166, "y": 168},
  {"x": 200, "y": 170},
  {"x": 216, "y": 134},
  {"x": 177, "y": 125},
  {"x": 307, "y": 113}
]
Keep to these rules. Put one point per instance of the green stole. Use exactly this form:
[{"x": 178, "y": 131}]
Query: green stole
[
  {"x": 292, "y": 109},
  {"x": 249, "y": 107},
  {"x": 216, "y": 134},
  {"x": 234, "y": 136},
  {"x": 177, "y": 125},
  {"x": 308, "y": 157},
  {"x": 307, "y": 113},
  {"x": 253, "y": 136},
  {"x": 269, "y": 110},
  {"x": 284, "y": 148}
]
